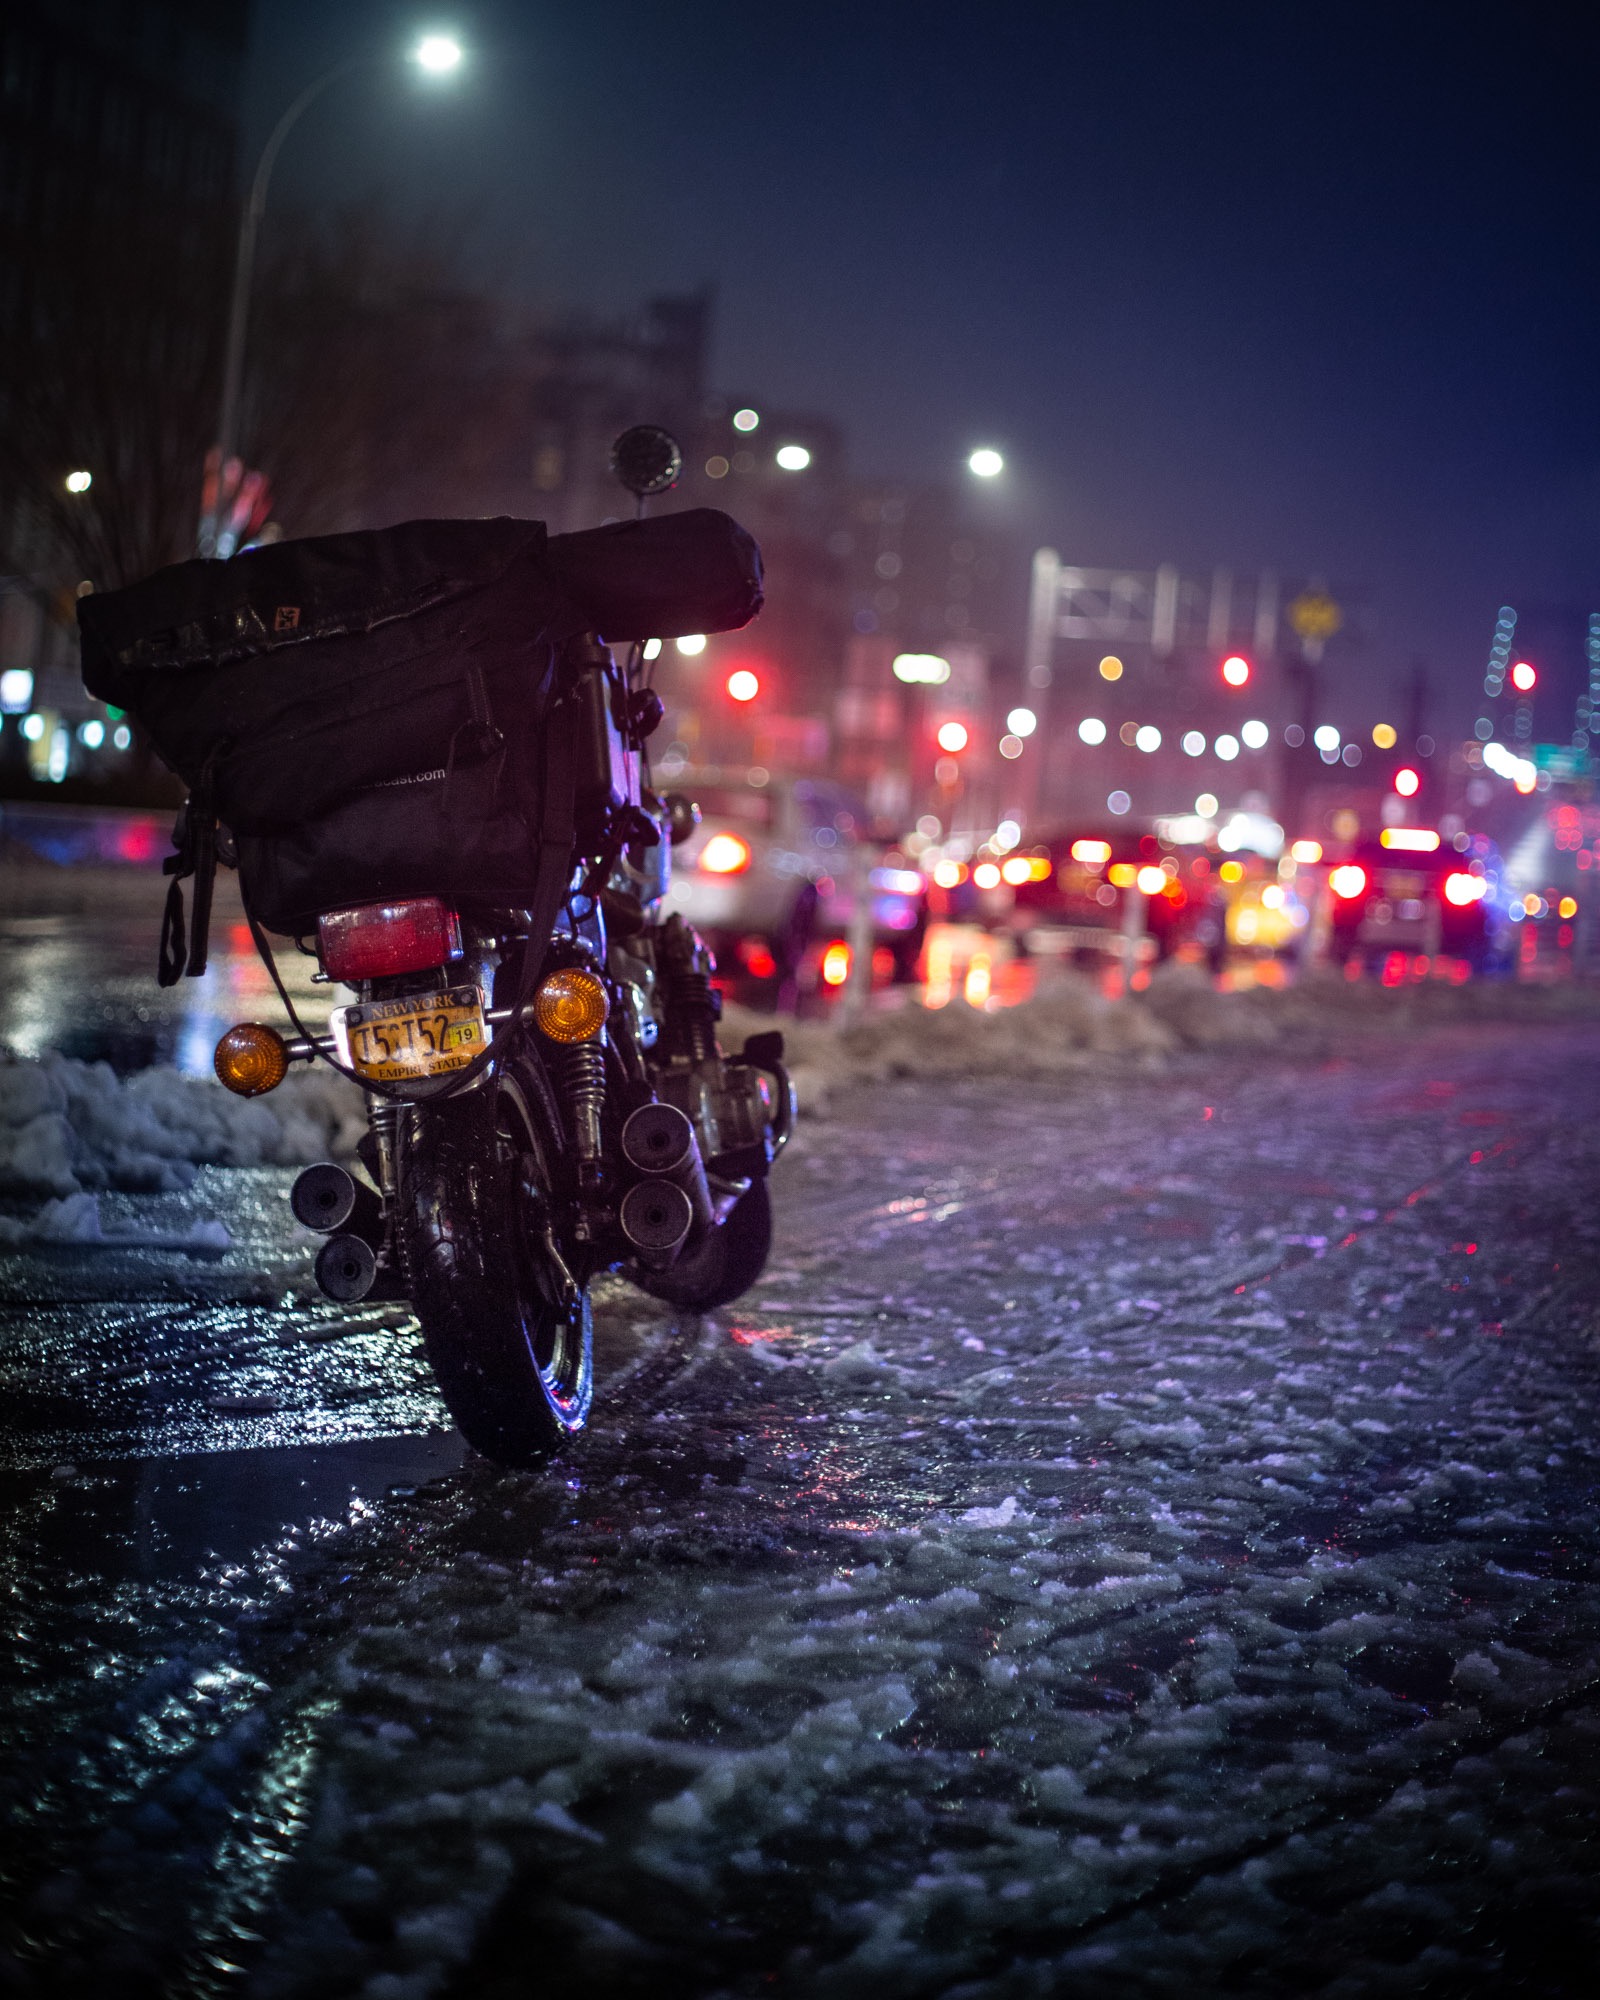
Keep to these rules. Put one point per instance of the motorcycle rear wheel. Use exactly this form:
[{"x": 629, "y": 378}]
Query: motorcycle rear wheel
[
  {"x": 514, "y": 1362},
  {"x": 726, "y": 1265}
]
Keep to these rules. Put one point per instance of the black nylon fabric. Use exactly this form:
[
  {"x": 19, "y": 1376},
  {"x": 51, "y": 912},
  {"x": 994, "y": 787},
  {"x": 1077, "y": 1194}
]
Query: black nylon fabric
[
  {"x": 206, "y": 614},
  {"x": 697, "y": 571},
  {"x": 466, "y": 838},
  {"x": 370, "y": 715},
  {"x": 295, "y": 713},
  {"x": 307, "y": 672}
]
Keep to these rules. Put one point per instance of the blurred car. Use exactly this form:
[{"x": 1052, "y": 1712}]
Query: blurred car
[
  {"x": 1265, "y": 917},
  {"x": 1100, "y": 886},
  {"x": 772, "y": 869},
  {"x": 1409, "y": 892}
]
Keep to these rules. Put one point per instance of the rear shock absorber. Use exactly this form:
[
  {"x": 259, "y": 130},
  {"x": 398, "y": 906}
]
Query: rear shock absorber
[
  {"x": 583, "y": 1079},
  {"x": 384, "y": 1119}
]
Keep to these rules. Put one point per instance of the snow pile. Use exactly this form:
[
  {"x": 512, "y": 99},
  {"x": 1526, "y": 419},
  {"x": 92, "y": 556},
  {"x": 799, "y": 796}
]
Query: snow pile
[
  {"x": 1070, "y": 1028},
  {"x": 67, "y": 1126},
  {"x": 74, "y": 1221},
  {"x": 1326, "y": 1003},
  {"x": 1065, "y": 1030}
]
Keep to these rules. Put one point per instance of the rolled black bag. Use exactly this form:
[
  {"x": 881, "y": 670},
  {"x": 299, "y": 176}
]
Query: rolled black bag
[{"x": 663, "y": 578}]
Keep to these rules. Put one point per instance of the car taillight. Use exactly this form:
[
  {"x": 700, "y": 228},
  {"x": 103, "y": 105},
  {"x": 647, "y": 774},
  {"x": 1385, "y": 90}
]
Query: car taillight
[
  {"x": 1348, "y": 882},
  {"x": 376, "y": 940},
  {"x": 1464, "y": 890},
  {"x": 725, "y": 854}
]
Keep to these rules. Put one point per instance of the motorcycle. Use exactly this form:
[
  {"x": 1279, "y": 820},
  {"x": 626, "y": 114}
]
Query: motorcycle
[{"x": 544, "y": 1103}]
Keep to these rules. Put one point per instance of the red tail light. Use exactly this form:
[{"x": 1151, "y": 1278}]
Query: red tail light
[
  {"x": 725, "y": 854},
  {"x": 377, "y": 940},
  {"x": 1348, "y": 881},
  {"x": 1463, "y": 890}
]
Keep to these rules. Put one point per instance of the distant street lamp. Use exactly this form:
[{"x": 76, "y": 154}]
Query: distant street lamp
[
  {"x": 436, "y": 56},
  {"x": 986, "y": 463}
]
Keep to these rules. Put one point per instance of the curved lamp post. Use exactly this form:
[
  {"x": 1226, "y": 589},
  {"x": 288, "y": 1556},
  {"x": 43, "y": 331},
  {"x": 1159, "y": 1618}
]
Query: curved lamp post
[{"x": 435, "y": 55}]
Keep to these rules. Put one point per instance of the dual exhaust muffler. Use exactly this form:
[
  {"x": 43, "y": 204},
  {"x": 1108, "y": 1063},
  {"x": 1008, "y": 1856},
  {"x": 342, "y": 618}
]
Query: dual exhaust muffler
[
  {"x": 666, "y": 1208},
  {"x": 350, "y": 1215},
  {"x": 661, "y": 1212}
]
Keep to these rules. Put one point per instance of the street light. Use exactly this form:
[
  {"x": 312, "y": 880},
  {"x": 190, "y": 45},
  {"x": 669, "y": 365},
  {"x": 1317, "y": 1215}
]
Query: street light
[
  {"x": 436, "y": 55},
  {"x": 986, "y": 463}
]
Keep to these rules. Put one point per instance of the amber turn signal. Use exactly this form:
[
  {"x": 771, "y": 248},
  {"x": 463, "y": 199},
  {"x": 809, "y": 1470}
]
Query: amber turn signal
[
  {"x": 570, "y": 1006},
  {"x": 252, "y": 1059}
]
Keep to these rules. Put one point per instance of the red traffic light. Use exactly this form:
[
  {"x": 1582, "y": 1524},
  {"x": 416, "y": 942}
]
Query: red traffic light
[
  {"x": 952, "y": 737},
  {"x": 742, "y": 685},
  {"x": 1524, "y": 677},
  {"x": 1236, "y": 670},
  {"x": 1406, "y": 782}
]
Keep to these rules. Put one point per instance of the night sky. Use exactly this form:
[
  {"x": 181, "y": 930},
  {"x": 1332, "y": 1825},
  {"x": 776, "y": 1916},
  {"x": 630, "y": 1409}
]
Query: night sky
[{"x": 1312, "y": 289}]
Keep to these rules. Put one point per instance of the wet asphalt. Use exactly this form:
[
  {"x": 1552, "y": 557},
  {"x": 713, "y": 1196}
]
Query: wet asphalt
[{"x": 1140, "y": 1536}]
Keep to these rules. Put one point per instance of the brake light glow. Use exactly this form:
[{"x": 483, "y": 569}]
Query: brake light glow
[
  {"x": 725, "y": 854},
  {"x": 1410, "y": 839},
  {"x": 1463, "y": 890},
  {"x": 1092, "y": 853},
  {"x": 836, "y": 963},
  {"x": 377, "y": 940},
  {"x": 1348, "y": 881}
]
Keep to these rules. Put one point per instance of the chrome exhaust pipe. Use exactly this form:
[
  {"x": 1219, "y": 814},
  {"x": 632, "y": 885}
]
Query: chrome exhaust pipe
[
  {"x": 346, "y": 1269},
  {"x": 327, "y": 1199},
  {"x": 659, "y": 1140},
  {"x": 656, "y": 1218}
]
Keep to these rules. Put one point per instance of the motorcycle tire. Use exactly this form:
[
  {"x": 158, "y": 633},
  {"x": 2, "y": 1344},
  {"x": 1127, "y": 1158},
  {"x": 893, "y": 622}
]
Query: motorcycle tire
[
  {"x": 514, "y": 1364},
  {"x": 726, "y": 1265}
]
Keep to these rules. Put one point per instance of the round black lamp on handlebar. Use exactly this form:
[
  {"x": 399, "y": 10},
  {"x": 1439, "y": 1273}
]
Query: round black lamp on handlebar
[{"x": 647, "y": 460}]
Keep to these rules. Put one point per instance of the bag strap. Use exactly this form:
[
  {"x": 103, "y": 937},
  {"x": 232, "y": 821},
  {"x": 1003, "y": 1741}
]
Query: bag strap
[
  {"x": 185, "y": 951},
  {"x": 478, "y": 738}
]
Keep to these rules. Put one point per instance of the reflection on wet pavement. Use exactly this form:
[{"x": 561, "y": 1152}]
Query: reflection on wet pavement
[
  {"x": 1138, "y": 1537},
  {"x": 82, "y": 981}
]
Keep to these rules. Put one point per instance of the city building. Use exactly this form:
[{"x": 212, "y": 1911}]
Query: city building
[{"x": 117, "y": 143}]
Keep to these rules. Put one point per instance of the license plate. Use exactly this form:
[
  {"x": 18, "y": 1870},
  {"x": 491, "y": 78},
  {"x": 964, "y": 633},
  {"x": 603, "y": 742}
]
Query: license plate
[{"x": 425, "y": 1034}]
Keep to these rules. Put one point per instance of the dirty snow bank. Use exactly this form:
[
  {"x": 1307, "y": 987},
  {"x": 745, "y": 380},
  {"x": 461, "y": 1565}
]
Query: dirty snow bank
[
  {"x": 74, "y": 1221},
  {"x": 1070, "y": 1027},
  {"x": 1067, "y": 1029},
  {"x": 68, "y": 1127}
]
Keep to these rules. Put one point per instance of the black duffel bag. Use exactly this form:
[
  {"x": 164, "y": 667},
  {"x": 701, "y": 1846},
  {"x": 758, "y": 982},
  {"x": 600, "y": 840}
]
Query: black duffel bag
[{"x": 371, "y": 709}]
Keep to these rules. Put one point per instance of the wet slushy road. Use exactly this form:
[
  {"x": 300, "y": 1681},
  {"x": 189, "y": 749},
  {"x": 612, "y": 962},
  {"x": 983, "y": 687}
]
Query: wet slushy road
[{"x": 1139, "y": 1537}]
